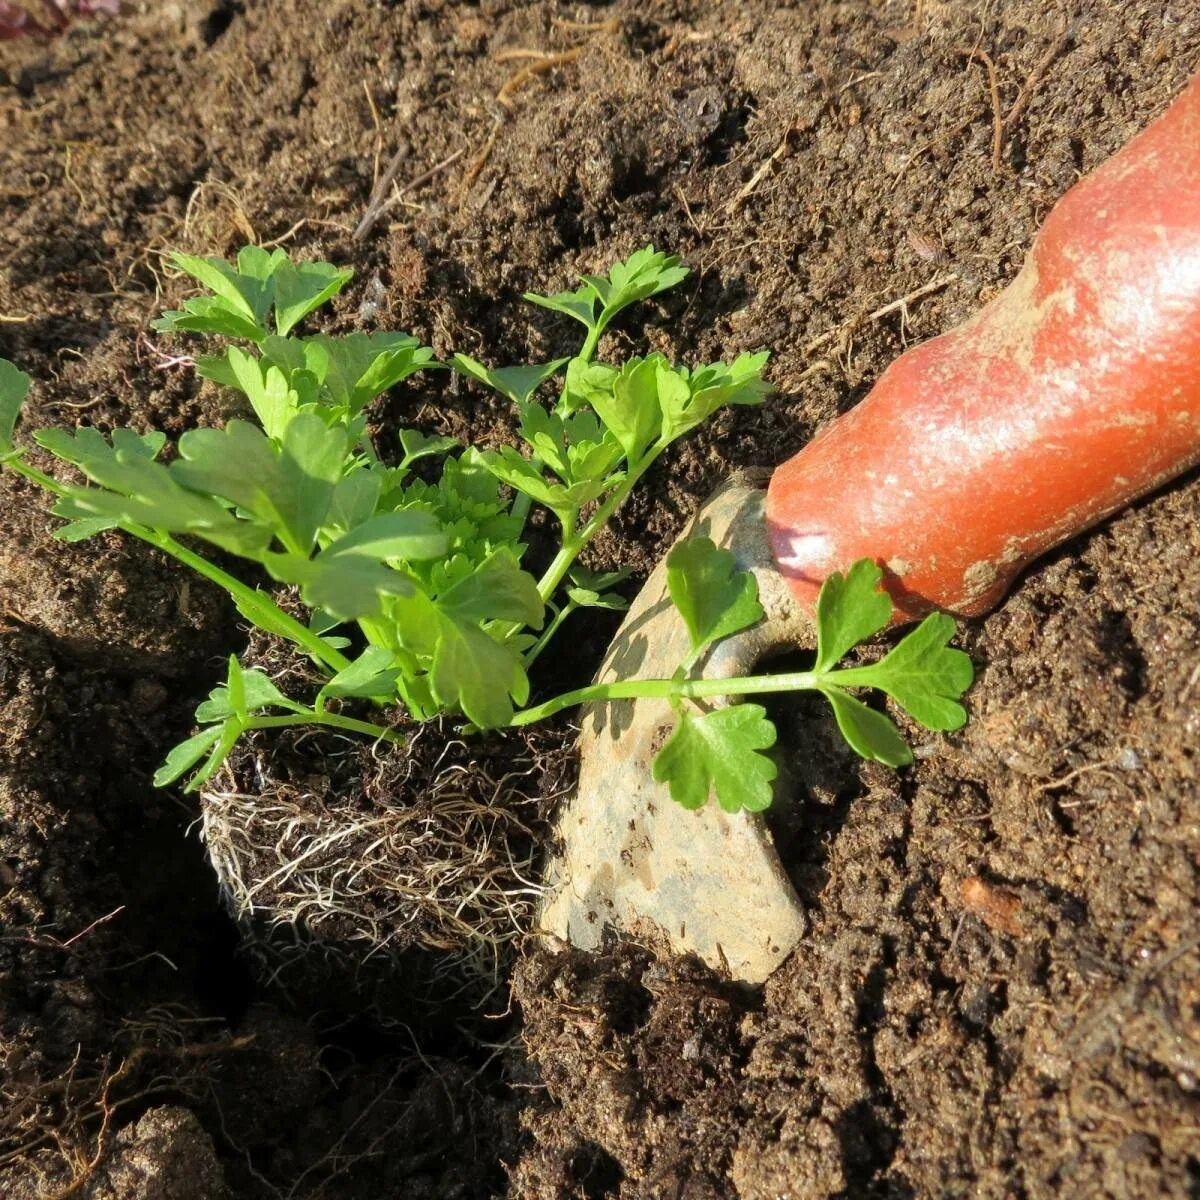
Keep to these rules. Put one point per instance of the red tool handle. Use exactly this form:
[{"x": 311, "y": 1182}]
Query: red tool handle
[{"x": 1074, "y": 391}]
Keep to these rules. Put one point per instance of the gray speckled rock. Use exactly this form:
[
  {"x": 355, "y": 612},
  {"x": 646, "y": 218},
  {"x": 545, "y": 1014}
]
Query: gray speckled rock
[{"x": 705, "y": 882}]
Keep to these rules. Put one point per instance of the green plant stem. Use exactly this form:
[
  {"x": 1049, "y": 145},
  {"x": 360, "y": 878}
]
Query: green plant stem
[
  {"x": 334, "y": 720},
  {"x": 574, "y": 543},
  {"x": 249, "y": 599},
  {"x": 548, "y": 633},
  {"x": 684, "y": 689},
  {"x": 523, "y": 503}
]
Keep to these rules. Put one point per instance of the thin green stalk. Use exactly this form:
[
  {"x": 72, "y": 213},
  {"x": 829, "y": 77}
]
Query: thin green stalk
[
  {"x": 523, "y": 503},
  {"x": 683, "y": 689},
  {"x": 573, "y": 544},
  {"x": 334, "y": 720},
  {"x": 548, "y": 633}
]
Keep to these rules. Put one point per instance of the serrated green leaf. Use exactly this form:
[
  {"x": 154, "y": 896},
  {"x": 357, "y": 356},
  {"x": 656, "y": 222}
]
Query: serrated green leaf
[
  {"x": 714, "y": 598},
  {"x": 357, "y": 367},
  {"x": 579, "y": 304},
  {"x": 209, "y": 314},
  {"x": 719, "y": 751},
  {"x": 693, "y": 396},
  {"x": 136, "y": 489},
  {"x": 587, "y": 598},
  {"x": 257, "y": 262},
  {"x": 355, "y": 499},
  {"x": 84, "y": 528},
  {"x": 288, "y": 486},
  {"x": 302, "y": 287},
  {"x": 244, "y": 294},
  {"x": 14, "y": 387},
  {"x": 871, "y": 734},
  {"x": 598, "y": 581},
  {"x": 348, "y": 587},
  {"x": 389, "y": 369},
  {"x": 371, "y": 676},
  {"x": 476, "y": 675},
  {"x": 418, "y": 445},
  {"x": 850, "y": 609},
  {"x": 229, "y": 733},
  {"x": 496, "y": 590},
  {"x": 258, "y": 692},
  {"x": 348, "y": 579},
  {"x": 266, "y": 387},
  {"x": 643, "y": 274},
  {"x": 925, "y": 676},
  {"x": 411, "y": 536},
  {"x": 510, "y": 467},
  {"x": 630, "y": 407},
  {"x": 517, "y": 383},
  {"x": 186, "y": 755}
]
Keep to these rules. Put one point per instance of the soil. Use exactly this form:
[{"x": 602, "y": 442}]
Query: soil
[{"x": 998, "y": 995}]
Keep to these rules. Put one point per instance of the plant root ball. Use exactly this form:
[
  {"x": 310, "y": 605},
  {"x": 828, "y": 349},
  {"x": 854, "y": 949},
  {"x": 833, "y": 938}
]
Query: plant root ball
[{"x": 327, "y": 839}]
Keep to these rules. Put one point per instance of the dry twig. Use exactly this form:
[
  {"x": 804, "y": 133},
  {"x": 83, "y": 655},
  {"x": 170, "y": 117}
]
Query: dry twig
[
  {"x": 377, "y": 206},
  {"x": 542, "y": 65},
  {"x": 1034, "y": 79},
  {"x": 975, "y": 53}
]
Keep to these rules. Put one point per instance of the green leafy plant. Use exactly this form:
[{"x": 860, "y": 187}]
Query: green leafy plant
[{"x": 416, "y": 584}]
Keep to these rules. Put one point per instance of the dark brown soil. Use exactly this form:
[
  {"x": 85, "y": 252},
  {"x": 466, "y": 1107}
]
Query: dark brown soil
[{"x": 998, "y": 996}]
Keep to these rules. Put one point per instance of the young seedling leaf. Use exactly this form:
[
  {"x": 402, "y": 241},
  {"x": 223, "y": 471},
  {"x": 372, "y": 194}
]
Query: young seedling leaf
[
  {"x": 517, "y": 383},
  {"x": 643, "y": 274},
  {"x": 371, "y": 676},
  {"x": 477, "y": 675},
  {"x": 850, "y": 609},
  {"x": 714, "y": 598},
  {"x": 14, "y": 387},
  {"x": 870, "y": 734},
  {"x": 258, "y": 692},
  {"x": 418, "y": 445},
  {"x": 186, "y": 755},
  {"x": 925, "y": 676},
  {"x": 235, "y": 686},
  {"x": 302, "y": 287},
  {"x": 579, "y": 304},
  {"x": 230, "y": 731},
  {"x": 587, "y": 598},
  {"x": 719, "y": 751}
]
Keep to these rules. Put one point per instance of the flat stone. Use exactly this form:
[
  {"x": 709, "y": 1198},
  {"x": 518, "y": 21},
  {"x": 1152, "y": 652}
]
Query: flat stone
[{"x": 705, "y": 882}]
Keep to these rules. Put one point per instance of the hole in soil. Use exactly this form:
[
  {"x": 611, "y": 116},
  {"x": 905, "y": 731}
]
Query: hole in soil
[
  {"x": 729, "y": 134},
  {"x": 868, "y": 1145},
  {"x": 596, "y": 1172},
  {"x": 218, "y": 21}
]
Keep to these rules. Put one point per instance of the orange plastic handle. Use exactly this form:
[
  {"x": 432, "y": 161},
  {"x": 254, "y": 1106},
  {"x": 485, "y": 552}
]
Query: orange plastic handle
[{"x": 1071, "y": 393}]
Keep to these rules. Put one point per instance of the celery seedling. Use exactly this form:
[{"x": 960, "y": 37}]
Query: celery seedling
[{"x": 416, "y": 586}]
